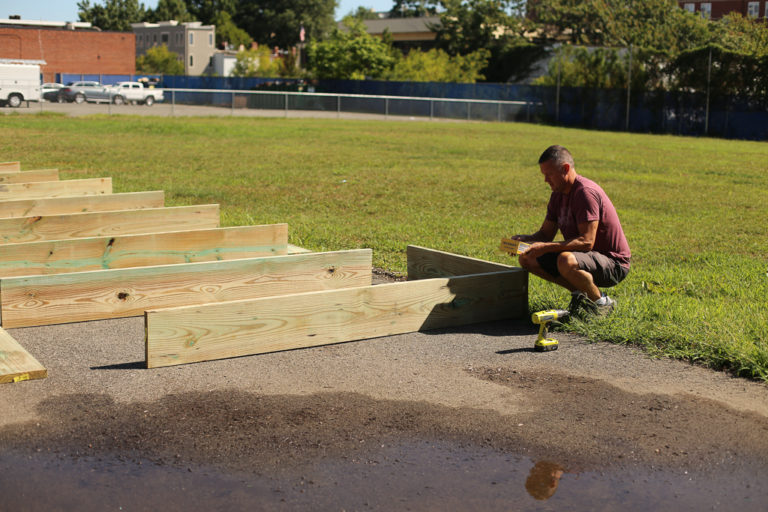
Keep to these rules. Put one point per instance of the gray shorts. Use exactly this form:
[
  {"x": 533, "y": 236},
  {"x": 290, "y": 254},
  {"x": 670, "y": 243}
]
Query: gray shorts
[{"x": 606, "y": 272}]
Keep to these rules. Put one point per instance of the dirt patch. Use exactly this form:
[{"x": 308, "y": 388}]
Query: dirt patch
[{"x": 582, "y": 423}]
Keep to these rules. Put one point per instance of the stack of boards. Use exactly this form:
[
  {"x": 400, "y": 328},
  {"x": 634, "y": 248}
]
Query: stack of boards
[{"x": 73, "y": 251}]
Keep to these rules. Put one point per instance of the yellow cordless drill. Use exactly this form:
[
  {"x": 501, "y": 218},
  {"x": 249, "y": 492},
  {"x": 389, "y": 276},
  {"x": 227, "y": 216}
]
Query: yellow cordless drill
[{"x": 544, "y": 318}]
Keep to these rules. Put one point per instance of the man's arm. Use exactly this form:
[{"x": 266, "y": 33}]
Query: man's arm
[
  {"x": 584, "y": 243},
  {"x": 546, "y": 233}
]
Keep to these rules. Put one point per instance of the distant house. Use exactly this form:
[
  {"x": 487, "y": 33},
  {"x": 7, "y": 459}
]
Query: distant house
[
  {"x": 406, "y": 33},
  {"x": 68, "y": 47},
  {"x": 716, "y": 9},
  {"x": 192, "y": 41}
]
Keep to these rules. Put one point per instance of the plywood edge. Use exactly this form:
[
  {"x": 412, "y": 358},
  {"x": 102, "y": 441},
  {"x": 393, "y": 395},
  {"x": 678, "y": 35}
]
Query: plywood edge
[
  {"x": 425, "y": 263},
  {"x": 16, "y": 364},
  {"x": 295, "y": 249},
  {"x": 232, "y": 329},
  {"x": 49, "y": 257},
  {"x": 10, "y": 166},
  {"x": 29, "y": 176},
  {"x": 100, "y": 294}
]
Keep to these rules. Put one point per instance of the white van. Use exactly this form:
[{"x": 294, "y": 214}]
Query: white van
[{"x": 19, "y": 82}]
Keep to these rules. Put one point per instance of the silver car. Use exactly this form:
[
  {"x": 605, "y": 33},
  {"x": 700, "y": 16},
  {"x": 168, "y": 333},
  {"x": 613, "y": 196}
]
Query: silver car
[{"x": 83, "y": 91}]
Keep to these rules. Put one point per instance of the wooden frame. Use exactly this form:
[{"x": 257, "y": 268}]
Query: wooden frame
[
  {"x": 174, "y": 247},
  {"x": 121, "y": 222},
  {"x": 80, "y": 296},
  {"x": 16, "y": 364},
  {"x": 81, "y": 204},
  {"x": 41, "y": 189},
  {"x": 29, "y": 176},
  {"x": 212, "y": 331},
  {"x": 10, "y": 166}
]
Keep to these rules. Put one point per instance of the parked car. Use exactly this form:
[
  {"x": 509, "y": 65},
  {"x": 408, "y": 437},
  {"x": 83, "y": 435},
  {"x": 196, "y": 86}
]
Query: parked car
[
  {"x": 52, "y": 92},
  {"x": 90, "y": 91},
  {"x": 136, "y": 92}
]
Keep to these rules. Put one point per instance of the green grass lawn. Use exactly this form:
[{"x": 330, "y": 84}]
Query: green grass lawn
[{"x": 695, "y": 211}]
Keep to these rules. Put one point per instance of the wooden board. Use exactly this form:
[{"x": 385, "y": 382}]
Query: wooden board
[
  {"x": 16, "y": 364},
  {"x": 79, "y": 296},
  {"x": 10, "y": 166},
  {"x": 424, "y": 263},
  {"x": 84, "y": 254},
  {"x": 111, "y": 223},
  {"x": 82, "y": 204},
  {"x": 215, "y": 331},
  {"x": 29, "y": 176},
  {"x": 89, "y": 186}
]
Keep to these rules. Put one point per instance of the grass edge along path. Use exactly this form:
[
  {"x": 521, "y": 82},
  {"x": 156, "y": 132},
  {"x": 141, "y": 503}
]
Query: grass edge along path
[{"x": 693, "y": 209}]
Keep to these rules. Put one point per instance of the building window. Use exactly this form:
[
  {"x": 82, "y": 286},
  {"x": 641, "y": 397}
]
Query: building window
[
  {"x": 706, "y": 11},
  {"x": 753, "y": 9},
  {"x": 210, "y": 39},
  {"x": 154, "y": 38},
  {"x": 689, "y": 7},
  {"x": 164, "y": 37},
  {"x": 191, "y": 61},
  {"x": 191, "y": 38}
]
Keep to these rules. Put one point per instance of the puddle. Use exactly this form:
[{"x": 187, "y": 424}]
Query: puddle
[{"x": 407, "y": 476}]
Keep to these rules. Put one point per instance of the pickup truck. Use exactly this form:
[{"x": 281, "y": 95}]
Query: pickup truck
[{"x": 135, "y": 92}]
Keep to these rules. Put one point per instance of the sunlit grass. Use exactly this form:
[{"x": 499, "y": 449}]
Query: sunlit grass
[{"x": 694, "y": 210}]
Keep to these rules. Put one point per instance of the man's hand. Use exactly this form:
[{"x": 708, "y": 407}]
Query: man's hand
[{"x": 536, "y": 249}]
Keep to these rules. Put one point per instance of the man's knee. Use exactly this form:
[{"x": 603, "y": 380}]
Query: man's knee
[{"x": 566, "y": 262}]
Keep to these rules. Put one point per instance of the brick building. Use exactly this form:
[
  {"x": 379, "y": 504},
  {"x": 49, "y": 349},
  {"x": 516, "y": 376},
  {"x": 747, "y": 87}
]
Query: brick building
[
  {"x": 68, "y": 47},
  {"x": 716, "y": 9}
]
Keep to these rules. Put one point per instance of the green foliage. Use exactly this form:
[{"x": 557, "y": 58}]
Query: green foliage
[
  {"x": 743, "y": 35},
  {"x": 437, "y": 66},
  {"x": 159, "y": 60},
  {"x": 256, "y": 62},
  {"x": 278, "y": 22},
  {"x": 170, "y": 10},
  {"x": 470, "y": 25},
  {"x": 115, "y": 15},
  {"x": 412, "y": 8},
  {"x": 206, "y": 11},
  {"x": 599, "y": 68},
  {"x": 350, "y": 54},
  {"x": 227, "y": 31},
  {"x": 364, "y": 13}
]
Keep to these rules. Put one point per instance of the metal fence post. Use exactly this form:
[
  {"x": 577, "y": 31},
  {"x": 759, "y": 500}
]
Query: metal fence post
[
  {"x": 498, "y": 111},
  {"x": 709, "y": 76},
  {"x": 431, "y": 109},
  {"x": 286, "y": 105},
  {"x": 232, "y": 112},
  {"x": 173, "y": 102},
  {"x": 338, "y": 106},
  {"x": 386, "y": 107},
  {"x": 469, "y": 111}
]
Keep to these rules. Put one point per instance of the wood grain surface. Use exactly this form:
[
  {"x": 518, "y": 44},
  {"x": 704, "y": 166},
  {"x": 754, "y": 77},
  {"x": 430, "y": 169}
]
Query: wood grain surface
[
  {"x": 29, "y": 176},
  {"x": 88, "y": 186},
  {"x": 16, "y": 364},
  {"x": 81, "y": 204}
]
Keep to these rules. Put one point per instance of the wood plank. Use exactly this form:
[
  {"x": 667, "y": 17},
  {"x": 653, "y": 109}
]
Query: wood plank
[
  {"x": 10, "y": 166},
  {"x": 111, "y": 223},
  {"x": 16, "y": 364},
  {"x": 80, "y": 296},
  {"x": 84, "y": 254},
  {"x": 87, "y": 186},
  {"x": 29, "y": 176},
  {"x": 82, "y": 204},
  {"x": 424, "y": 263},
  {"x": 215, "y": 331}
]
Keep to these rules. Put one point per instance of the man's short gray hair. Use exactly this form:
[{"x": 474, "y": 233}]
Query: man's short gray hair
[{"x": 558, "y": 154}]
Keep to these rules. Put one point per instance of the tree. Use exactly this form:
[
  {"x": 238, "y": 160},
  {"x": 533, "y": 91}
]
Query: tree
[
  {"x": 744, "y": 35},
  {"x": 413, "y": 8},
  {"x": 470, "y": 25},
  {"x": 350, "y": 54},
  {"x": 437, "y": 66},
  {"x": 207, "y": 10},
  {"x": 279, "y": 22},
  {"x": 227, "y": 31},
  {"x": 116, "y": 15},
  {"x": 169, "y": 10},
  {"x": 255, "y": 62},
  {"x": 364, "y": 13},
  {"x": 160, "y": 60}
]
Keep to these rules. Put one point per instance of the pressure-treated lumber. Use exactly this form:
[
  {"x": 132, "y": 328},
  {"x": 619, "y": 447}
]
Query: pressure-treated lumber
[
  {"x": 111, "y": 223},
  {"x": 215, "y": 331},
  {"x": 29, "y": 176},
  {"x": 88, "y": 186},
  {"x": 84, "y": 254},
  {"x": 10, "y": 166},
  {"x": 82, "y": 204},
  {"x": 16, "y": 364},
  {"x": 424, "y": 263},
  {"x": 79, "y": 296}
]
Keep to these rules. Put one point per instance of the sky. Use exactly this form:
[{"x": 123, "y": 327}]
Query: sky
[{"x": 66, "y": 10}]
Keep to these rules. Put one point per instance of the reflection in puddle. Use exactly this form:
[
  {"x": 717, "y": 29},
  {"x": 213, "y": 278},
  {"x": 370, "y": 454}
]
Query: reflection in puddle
[{"x": 416, "y": 475}]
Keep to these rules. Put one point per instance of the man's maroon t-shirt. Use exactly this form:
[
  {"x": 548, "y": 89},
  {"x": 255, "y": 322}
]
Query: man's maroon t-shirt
[{"x": 584, "y": 203}]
